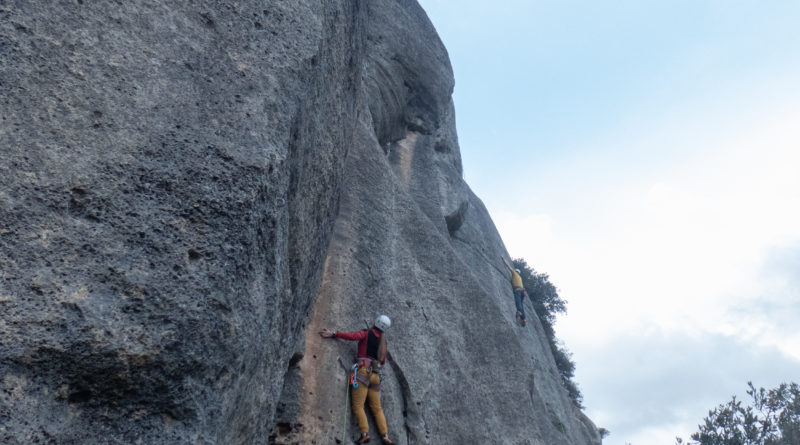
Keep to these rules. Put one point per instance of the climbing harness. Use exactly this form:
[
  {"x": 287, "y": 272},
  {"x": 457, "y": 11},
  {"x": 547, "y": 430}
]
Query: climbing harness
[{"x": 369, "y": 368}]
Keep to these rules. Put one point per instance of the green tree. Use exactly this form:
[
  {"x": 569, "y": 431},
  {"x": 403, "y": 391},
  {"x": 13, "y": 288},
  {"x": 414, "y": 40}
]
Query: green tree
[
  {"x": 772, "y": 419},
  {"x": 547, "y": 304}
]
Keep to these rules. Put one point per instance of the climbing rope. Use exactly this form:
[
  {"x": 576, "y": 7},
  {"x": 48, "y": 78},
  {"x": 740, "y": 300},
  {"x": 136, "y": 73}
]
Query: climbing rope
[
  {"x": 527, "y": 325},
  {"x": 346, "y": 402},
  {"x": 478, "y": 252},
  {"x": 492, "y": 265}
]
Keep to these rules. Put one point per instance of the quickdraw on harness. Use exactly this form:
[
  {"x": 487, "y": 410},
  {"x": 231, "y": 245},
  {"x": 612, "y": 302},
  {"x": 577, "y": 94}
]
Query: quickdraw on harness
[{"x": 353, "y": 373}]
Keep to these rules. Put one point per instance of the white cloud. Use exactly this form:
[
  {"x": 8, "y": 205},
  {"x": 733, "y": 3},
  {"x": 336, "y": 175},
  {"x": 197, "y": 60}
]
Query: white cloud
[
  {"x": 531, "y": 234},
  {"x": 690, "y": 243},
  {"x": 684, "y": 254},
  {"x": 663, "y": 190},
  {"x": 659, "y": 384}
]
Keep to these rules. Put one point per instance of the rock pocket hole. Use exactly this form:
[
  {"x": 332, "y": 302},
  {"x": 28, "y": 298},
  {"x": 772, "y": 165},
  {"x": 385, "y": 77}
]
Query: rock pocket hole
[
  {"x": 295, "y": 359},
  {"x": 456, "y": 219},
  {"x": 79, "y": 396},
  {"x": 284, "y": 428}
]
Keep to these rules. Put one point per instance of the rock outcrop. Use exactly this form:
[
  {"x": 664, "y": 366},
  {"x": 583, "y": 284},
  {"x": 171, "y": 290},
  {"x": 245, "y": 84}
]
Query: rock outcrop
[{"x": 189, "y": 191}]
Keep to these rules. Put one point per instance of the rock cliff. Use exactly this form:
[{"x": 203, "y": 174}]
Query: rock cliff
[{"x": 189, "y": 191}]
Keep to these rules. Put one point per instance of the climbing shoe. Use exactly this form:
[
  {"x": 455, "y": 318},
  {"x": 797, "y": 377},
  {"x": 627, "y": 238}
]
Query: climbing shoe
[
  {"x": 522, "y": 322},
  {"x": 363, "y": 439},
  {"x": 385, "y": 440}
]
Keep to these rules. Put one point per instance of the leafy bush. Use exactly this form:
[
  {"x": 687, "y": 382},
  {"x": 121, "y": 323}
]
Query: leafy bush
[{"x": 773, "y": 419}]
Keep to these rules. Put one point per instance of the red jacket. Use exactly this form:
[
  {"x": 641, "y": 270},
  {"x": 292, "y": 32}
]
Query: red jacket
[{"x": 366, "y": 348}]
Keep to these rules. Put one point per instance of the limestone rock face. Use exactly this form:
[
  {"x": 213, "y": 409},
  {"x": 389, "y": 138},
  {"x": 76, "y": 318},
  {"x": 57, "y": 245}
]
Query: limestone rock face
[{"x": 189, "y": 191}]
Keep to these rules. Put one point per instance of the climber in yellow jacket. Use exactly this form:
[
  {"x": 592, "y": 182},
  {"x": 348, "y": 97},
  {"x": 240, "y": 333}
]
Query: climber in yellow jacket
[
  {"x": 371, "y": 356},
  {"x": 519, "y": 291}
]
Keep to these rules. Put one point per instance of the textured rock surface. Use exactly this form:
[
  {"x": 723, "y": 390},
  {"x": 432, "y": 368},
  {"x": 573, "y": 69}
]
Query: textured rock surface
[
  {"x": 169, "y": 174},
  {"x": 188, "y": 192},
  {"x": 413, "y": 241}
]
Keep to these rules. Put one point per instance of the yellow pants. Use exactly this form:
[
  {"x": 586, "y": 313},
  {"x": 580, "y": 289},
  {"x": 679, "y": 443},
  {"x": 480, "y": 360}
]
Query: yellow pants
[{"x": 362, "y": 394}]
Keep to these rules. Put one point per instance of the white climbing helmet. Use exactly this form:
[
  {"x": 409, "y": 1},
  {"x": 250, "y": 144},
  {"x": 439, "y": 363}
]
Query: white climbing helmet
[
  {"x": 383, "y": 323},
  {"x": 517, "y": 271}
]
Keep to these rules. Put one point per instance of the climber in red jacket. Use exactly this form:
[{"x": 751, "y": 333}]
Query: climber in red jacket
[{"x": 370, "y": 358}]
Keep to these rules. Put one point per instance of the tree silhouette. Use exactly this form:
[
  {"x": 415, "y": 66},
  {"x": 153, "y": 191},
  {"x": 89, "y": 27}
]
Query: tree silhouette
[{"x": 772, "y": 419}]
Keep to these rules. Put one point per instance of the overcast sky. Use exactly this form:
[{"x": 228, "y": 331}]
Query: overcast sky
[{"x": 646, "y": 155}]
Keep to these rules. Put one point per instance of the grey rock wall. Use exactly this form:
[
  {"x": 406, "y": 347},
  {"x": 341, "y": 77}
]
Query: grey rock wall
[
  {"x": 190, "y": 190},
  {"x": 412, "y": 241},
  {"x": 170, "y": 175}
]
